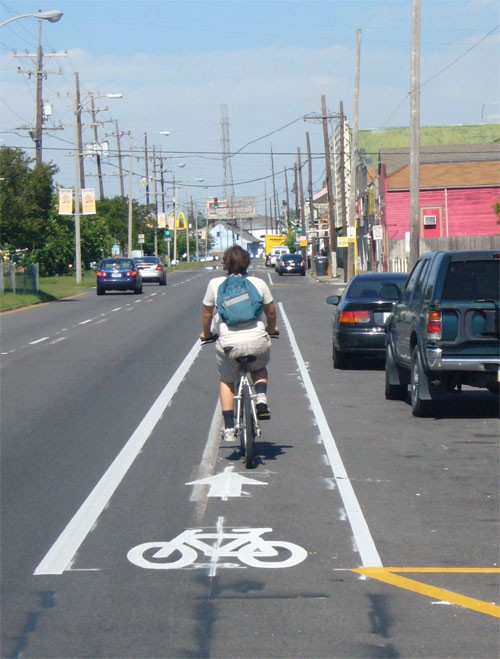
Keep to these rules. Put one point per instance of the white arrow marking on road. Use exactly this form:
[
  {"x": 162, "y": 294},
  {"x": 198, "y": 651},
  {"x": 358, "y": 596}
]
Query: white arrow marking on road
[{"x": 227, "y": 484}]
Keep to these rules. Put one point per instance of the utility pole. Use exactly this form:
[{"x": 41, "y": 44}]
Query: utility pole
[
  {"x": 287, "y": 201},
  {"x": 130, "y": 201},
  {"x": 97, "y": 146},
  {"x": 118, "y": 136},
  {"x": 415, "y": 137},
  {"x": 79, "y": 135},
  {"x": 146, "y": 171},
  {"x": 155, "y": 204},
  {"x": 332, "y": 243},
  {"x": 342, "y": 180},
  {"x": 352, "y": 247},
  {"x": 274, "y": 196},
  {"x": 311, "y": 205},
  {"x": 301, "y": 206},
  {"x": 36, "y": 133}
]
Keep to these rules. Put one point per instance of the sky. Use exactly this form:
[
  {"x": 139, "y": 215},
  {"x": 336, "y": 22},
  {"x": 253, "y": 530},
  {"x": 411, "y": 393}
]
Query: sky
[{"x": 182, "y": 64}]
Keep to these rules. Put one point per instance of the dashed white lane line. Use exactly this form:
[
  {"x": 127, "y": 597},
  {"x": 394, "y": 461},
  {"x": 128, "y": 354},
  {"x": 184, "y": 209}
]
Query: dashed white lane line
[
  {"x": 363, "y": 540},
  {"x": 84, "y": 322},
  {"x": 44, "y": 338}
]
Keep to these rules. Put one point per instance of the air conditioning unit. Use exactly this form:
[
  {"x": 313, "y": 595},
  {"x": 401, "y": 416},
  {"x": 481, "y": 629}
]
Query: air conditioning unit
[{"x": 430, "y": 221}]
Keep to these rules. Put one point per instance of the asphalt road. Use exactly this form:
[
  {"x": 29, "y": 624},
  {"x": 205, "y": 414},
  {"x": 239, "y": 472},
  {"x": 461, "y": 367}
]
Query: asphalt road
[{"x": 361, "y": 531}]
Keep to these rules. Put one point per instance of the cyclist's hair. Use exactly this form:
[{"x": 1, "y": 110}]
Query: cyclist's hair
[{"x": 236, "y": 260}]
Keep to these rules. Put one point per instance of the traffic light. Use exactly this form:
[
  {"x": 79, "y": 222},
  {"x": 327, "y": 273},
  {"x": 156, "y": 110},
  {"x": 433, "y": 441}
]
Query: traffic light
[
  {"x": 216, "y": 203},
  {"x": 298, "y": 228},
  {"x": 167, "y": 233}
]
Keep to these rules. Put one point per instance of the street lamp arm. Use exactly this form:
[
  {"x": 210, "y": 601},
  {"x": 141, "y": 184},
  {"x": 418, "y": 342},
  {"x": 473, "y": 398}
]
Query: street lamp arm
[{"x": 52, "y": 15}]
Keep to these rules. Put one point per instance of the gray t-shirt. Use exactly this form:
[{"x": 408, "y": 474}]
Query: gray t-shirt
[{"x": 246, "y": 332}]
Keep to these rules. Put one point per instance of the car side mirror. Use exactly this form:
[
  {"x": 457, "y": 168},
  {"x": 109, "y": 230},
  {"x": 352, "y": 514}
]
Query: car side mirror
[
  {"x": 333, "y": 299},
  {"x": 390, "y": 292}
]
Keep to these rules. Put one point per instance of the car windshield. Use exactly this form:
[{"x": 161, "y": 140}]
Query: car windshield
[
  {"x": 148, "y": 259},
  {"x": 293, "y": 257},
  {"x": 121, "y": 264},
  {"x": 369, "y": 287}
]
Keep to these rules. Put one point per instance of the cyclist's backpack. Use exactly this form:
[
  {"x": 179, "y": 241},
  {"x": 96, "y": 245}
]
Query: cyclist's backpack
[{"x": 238, "y": 301}]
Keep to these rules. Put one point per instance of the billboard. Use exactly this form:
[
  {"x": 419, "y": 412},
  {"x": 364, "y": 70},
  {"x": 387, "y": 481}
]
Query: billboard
[{"x": 235, "y": 208}]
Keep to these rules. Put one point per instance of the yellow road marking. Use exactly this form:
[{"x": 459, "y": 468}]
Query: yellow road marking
[{"x": 390, "y": 576}]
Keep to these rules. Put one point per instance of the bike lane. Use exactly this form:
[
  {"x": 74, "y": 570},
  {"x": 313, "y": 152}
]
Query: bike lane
[{"x": 223, "y": 600}]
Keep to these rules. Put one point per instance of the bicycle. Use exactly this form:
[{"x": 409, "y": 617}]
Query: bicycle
[{"x": 246, "y": 421}]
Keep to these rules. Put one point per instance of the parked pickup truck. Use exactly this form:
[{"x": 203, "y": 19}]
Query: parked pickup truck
[{"x": 444, "y": 330}]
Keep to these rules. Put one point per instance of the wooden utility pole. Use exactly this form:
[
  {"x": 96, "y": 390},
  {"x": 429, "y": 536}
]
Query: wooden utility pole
[
  {"x": 98, "y": 146},
  {"x": 274, "y": 196},
  {"x": 79, "y": 122},
  {"x": 301, "y": 206},
  {"x": 343, "y": 200},
  {"x": 287, "y": 201},
  {"x": 311, "y": 206},
  {"x": 36, "y": 133},
  {"x": 352, "y": 247},
  {"x": 415, "y": 137},
  {"x": 120, "y": 165},
  {"x": 146, "y": 170},
  {"x": 332, "y": 242}
]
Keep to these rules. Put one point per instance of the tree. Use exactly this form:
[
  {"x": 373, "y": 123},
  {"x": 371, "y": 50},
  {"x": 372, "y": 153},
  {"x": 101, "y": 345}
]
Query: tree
[{"x": 26, "y": 200}]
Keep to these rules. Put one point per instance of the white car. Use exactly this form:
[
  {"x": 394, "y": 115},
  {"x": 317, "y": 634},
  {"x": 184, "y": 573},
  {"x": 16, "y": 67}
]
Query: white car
[
  {"x": 151, "y": 269},
  {"x": 275, "y": 254}
]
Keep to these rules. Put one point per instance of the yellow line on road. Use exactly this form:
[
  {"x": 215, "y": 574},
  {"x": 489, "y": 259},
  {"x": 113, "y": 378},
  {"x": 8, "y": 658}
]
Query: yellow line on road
[{"x": 391, "y": 576}]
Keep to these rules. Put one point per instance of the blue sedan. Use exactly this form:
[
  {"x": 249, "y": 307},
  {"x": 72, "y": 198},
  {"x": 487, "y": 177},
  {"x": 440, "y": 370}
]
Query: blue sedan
[{"x": 118, "y": 274}]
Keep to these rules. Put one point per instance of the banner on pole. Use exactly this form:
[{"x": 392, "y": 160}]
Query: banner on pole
[
  {"x": 88, "y": 201},
  {"x": 65, "y": 202}
]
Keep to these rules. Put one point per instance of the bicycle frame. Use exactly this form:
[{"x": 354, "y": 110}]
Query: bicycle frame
[{"x": 245, "y": 380}]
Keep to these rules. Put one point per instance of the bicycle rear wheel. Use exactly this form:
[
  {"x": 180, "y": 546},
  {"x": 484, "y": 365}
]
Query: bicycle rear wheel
[{"x": 247, "y": 427}]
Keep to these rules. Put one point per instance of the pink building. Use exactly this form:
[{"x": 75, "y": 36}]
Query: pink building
[{"x": 459, "y": 187}]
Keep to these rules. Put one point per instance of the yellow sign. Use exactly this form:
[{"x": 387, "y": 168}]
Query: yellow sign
[
  {"x": 303, "y": 242},
  {"x": 180, "y": 221},
  {"x": 342, "y": 241}
]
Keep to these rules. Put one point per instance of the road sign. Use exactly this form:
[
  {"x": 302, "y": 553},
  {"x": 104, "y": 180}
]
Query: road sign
[
  {"x": 141, "y": 239},
  {"x": 342, "y": 241}
]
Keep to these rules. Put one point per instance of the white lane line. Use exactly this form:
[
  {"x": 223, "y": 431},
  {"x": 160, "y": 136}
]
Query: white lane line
[
  {"x": 45, "y": 338},
  {"x": 361, "y": 533},
  {"x": 270, "y": 278},
  {"x": 59, "y": 339},
  {"x": 84, "y": 322},
  {"x": 61, "y": 554},
  {"x": 115, "y": 309}
]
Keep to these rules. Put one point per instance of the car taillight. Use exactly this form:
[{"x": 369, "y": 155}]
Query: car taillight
[
  {"x": 158, "y": 267},
  {"x": 132, "y": 273},
  {"x": 100, "y": 273},
  {"x": 434, "y": 325},
  {"x": 354, "y": 317}
]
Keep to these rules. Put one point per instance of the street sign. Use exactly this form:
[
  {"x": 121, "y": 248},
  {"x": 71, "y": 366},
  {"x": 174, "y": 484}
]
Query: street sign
[
  {"x": 141, "y": 239},
  {"x": 377, "y": 232},
  {"x": 342, "y": 241}
]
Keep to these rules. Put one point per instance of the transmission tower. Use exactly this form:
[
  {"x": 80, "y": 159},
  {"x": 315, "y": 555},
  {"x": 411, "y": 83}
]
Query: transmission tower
[{"x": 226, "y": 158}]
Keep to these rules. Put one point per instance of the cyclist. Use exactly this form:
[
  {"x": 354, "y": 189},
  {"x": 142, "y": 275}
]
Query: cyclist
[{"x": 249, "y": 339}]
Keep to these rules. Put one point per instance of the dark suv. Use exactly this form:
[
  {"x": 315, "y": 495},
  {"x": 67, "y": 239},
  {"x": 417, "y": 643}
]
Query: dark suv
[{"x": 444, "y": 330}]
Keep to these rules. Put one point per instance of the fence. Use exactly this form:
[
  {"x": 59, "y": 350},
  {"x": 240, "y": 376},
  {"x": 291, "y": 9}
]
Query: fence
[
  {"x": 19, "y": 280},
  {"x": 398, "y": 257}
]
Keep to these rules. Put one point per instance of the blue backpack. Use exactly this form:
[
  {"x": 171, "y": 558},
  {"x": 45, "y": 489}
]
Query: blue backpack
[{"x": 238, "y": 301}]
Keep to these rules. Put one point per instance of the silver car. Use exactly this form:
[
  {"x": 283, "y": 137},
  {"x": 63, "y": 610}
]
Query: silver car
[{"x": 151, "y": 269}]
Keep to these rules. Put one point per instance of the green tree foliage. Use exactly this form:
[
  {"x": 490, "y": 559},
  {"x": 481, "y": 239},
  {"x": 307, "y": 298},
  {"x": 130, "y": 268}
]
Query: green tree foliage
[{"x": 25, "y": 200}]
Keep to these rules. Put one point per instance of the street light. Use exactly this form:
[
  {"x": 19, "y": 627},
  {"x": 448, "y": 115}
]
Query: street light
[
  {"x": 52, "y": 15},
  {"x": 78, "y": 246}
]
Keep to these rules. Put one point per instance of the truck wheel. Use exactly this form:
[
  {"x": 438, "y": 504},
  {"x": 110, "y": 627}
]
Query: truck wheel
[
  {"x": 393, "y": 391},
  {"x": 419, "y": 407}
]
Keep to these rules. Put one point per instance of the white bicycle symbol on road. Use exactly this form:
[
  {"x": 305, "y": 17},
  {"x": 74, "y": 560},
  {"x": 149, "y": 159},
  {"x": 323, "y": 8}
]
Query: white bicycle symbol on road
[{"x": 245, "y": 545}]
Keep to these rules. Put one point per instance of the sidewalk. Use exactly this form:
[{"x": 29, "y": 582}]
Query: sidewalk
[{"x": 337, "y": 282}]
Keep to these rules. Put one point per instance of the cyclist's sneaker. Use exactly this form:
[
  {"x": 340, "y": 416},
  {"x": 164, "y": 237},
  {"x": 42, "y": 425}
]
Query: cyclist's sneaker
[
  {"x": 228, "y": 435},
  {"x": 262, "y": 407}
]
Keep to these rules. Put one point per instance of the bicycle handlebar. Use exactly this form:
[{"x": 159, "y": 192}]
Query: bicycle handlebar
[{"x": 213, "y": 338}]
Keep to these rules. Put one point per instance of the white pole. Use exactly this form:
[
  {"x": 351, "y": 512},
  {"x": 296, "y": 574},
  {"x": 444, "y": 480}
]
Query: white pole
[{"x": 130, "y": 192}]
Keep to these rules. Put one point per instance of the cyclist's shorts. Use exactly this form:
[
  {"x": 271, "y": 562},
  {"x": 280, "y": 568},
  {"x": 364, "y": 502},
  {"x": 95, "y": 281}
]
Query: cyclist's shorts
[{"x": 228, "y": 367}]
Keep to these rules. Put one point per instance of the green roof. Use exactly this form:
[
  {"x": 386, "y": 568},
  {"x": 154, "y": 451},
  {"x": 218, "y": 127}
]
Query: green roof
[{"x": 384, "y": 138}]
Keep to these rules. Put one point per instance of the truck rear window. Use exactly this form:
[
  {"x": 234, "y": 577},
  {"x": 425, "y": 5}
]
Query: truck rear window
[{"x": 472, "y": 280}]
